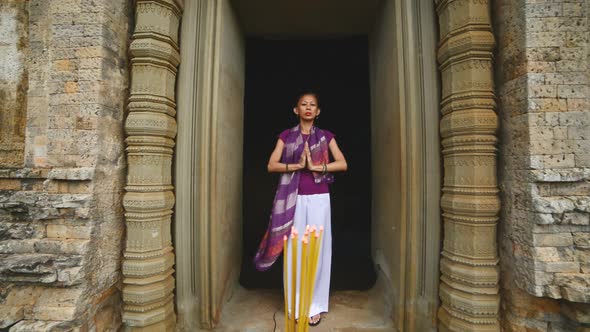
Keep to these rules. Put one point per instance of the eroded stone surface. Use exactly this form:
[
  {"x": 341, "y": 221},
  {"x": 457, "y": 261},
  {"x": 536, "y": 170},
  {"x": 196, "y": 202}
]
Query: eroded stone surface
[
  {"x": 544, "y": 88},
  {"x": 13, "y": 81},
  {"x": 63, "y": 83}
]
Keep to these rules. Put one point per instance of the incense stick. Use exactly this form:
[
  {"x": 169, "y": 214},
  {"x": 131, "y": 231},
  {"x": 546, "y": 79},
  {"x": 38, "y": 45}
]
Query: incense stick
[
  {"x": 302, "y": 322},
  {"x": 293, "y": 277},
  {"x": 285, "y": 282},
  {"x": 309, "y": 257}
]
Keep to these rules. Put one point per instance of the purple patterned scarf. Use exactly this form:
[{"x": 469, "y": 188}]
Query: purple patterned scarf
[{"x": 283, "y": 209}]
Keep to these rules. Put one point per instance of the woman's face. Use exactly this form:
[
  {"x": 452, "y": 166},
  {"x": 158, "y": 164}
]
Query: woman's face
[{"x": 307, "y": 107}]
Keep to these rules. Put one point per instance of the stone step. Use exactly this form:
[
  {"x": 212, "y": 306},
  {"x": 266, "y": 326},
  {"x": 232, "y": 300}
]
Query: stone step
[{"x": 258, "y": 310}]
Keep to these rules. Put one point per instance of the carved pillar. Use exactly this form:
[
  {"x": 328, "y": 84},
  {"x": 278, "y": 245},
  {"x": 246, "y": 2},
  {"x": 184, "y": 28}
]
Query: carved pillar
[
  {"x": 151, "y": 128},
  {"x": 470, "y": 202}
]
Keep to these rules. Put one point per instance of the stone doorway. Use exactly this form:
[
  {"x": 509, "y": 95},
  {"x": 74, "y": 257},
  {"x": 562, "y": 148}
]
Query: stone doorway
[
  {"x": 403, "y": 130},
  {"x": 406, "y": 175},
  {"x": 276, "y": 72}
]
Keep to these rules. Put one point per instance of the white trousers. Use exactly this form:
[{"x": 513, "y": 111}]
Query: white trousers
[{"x": 313, "y": 210}]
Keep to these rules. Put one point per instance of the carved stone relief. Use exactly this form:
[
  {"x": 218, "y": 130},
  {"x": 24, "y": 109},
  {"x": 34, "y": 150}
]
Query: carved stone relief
[
  {"x": 470, "y": 202},
  {"x": 151, "y": 129}
]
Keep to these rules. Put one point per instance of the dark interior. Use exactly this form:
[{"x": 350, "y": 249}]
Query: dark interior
[{"x": 277, "y": 71}]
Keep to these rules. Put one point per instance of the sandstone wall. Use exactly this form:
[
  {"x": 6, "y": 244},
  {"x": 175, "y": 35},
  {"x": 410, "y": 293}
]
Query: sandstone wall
[
  {"x": 63, "y": 90},
  {"x": 544, "y": 103},
  {"x": 13, "y": 81}
]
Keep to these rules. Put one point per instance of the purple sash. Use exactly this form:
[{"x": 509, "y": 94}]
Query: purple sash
[{"x": 283, "y": 209}]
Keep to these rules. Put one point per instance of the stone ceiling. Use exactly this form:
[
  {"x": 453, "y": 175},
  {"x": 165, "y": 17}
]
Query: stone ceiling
[{"x": 306, "y": 18}]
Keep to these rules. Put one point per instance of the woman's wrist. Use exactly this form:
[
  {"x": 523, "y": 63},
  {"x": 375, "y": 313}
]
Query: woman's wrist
[
  {"x": 292, "y": 167},
  {"x": 317, "y": 168}
]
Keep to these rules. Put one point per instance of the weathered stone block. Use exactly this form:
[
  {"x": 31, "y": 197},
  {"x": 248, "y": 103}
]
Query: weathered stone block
[
  {"x": 17, "y": 246},
  {"x": 572, "y": 9},
  {"x": 576, "y": 39},
  {"x": 34, "y": 325},
  {"x": 71, "y": 276},
  {"x": 577, "y": 104},
  {"x": 566, "y": 254},
  {"x": 576, "y": 294},
  {"x": 582, "y": 240},
  {"x": 557, "y": 175},
  {"x": 534, "y": 10},
  {"x": 558, "y": 228},
  {"x": 15, "y": 230},
  {"x": 546, "y": 254},
  {"x": 542, "y": 91},
  {"x": 582, "y": 203},
  {"x": 579, "y": 132},
  {"x": 54, "y": 313},
  {"x": 562, "y": 267},
  {"x": 576, "y": 218},
  {"x": 553, "y": 239},
  {"x": 9, "y": 315},
  {"x": 580, "y": 280},
  {"x": 570, "y": 189},
  {"x": 547, "y": 105},
  {"x": 10, "y": 184},
  {"x": 568, "y": 66},
  {"x": 28, "y": 268},
  {"x": 572, "y": 90},
  {"x": 559, "y": 161},
  {"x": 541, "y": 133},
  {"x": 62, "y": 247},
  {"x": 543, "y": 24},
  {"x": 552, "y": 146},
  {"x": 583, "y": 160},
  {"x": 540, "y": 276},
  {"x": 68, "y": 231},
  {"x": 552, "y": 204}
]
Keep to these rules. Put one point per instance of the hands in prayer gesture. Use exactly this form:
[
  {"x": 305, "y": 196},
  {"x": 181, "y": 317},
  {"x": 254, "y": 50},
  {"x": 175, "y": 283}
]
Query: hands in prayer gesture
[
  {"x": 307, "y": 152},
  {"x": 305, "y": 159}
]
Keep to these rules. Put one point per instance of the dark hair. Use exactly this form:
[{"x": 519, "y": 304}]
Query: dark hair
[{"x": 307, "y": 93}]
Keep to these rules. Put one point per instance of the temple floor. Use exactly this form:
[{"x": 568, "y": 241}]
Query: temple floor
[{"x": 252, "y": 311}]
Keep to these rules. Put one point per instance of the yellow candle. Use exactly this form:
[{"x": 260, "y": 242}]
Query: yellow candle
[
  {"x": 285, "y": 283},
  {"x": 316, "y": 251},
  {"x": 314, "y": 267},
  {"x": 312, "y": 262},
  {"x": 302, "y": 323},
  {"x": 293, "y": 277}
]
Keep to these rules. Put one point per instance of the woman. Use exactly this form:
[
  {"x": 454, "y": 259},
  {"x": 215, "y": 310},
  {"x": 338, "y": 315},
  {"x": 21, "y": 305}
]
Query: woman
[{"x": 302, "y": 198}]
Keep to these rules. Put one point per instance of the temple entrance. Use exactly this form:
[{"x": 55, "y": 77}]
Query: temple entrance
[
  {"x": 397, "y": 188},
  {"x": 338, "y": 70}
]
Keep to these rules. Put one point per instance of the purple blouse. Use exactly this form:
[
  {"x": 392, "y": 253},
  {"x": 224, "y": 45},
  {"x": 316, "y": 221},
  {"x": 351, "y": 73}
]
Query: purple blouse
[{"x": 307, "y": 185}]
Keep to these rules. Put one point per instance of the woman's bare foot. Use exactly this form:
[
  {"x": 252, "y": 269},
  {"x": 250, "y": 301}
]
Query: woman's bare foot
[{"x": 315, "y": 320}]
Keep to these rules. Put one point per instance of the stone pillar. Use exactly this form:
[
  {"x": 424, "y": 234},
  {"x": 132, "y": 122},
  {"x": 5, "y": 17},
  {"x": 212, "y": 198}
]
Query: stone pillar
[
  {"x": 470, "y": 203},
  {"x": 151, "y": 128}
]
